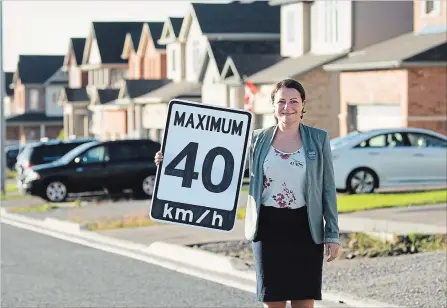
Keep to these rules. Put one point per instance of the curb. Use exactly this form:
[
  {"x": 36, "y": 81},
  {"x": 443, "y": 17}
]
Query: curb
[{"x": 186, "y": 257}]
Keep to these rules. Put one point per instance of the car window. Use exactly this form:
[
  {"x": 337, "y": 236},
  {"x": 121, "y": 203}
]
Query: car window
[
  {"x": 390, "y": 140},
  {"x": 426, "y": 141},
  {"x": 133, "y": 151},
  {"x": 94, "y": 155},
  {"x": 378, "y": 141},
  {"x": 12, "y": 153}
]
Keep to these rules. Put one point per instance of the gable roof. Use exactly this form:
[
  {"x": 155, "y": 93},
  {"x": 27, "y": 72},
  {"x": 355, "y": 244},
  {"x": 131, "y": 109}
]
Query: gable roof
[
  {"x": 152, "y": 30},
  {"x": 407, "y": 49},
  {"x": 234, "y": 19},
  {"x": 110, "y": 37},
  {"x": 292, "y": 67},
  {"x": 137, "y": 87},
  {"x": 171, "y": 30},
  {"x": 183, "y": 89},
  {"x": 243, "y": 65},
  {"x": 37, "y": 69},
  {"x": 8, "y": 80},
  {"x": 221, "y": 50},
  {"x": 72, "y": 95},
  {"x": 33, "y": 117}
]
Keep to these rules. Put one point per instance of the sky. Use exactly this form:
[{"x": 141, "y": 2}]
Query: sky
[{"x": 45, "y": 27}]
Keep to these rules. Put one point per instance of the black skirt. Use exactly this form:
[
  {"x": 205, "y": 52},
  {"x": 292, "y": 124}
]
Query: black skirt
[{"x": 288, "y": 263}]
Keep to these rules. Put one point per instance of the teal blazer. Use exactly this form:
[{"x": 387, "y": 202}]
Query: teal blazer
[{"x": 320, "y": 193}]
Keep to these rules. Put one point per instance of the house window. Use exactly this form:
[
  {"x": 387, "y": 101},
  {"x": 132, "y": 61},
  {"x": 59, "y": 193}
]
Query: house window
[
  {"x": 290, "y": 27},
  {"x": 34, "y": 99},
  {"x": 431, "y": 7},
  {"x": 195, "y": 55},
  {"x": 330, "y": 21},
  {"x": 55, "y": 98}
]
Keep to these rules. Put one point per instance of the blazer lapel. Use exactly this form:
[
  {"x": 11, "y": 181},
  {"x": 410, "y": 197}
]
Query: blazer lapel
[{"x": 305, "y": 140}]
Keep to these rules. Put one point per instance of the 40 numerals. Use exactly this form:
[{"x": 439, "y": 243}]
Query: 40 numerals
[{"x": 188, "y": 174}]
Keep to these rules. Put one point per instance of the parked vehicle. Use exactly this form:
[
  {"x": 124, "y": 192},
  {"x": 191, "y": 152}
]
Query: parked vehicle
[
  {"x": 11, "y": 154},
  {"x": 43, "y": 152},
  {"x": 110, "y": 165},
  {"x": 388, "y": 158}
]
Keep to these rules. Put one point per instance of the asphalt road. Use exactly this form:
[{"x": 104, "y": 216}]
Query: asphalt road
[{"x": 42, "y": 271}]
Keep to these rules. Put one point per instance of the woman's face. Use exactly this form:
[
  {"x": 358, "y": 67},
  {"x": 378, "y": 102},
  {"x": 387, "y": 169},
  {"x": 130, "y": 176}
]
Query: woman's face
[{"x": 288, "y": 105}]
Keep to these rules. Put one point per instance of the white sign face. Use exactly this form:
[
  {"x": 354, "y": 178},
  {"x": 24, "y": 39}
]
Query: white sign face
[{"x": 199, "y": 180}]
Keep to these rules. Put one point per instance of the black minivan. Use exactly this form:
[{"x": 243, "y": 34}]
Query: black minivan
[{"x": 113, "y": 166}]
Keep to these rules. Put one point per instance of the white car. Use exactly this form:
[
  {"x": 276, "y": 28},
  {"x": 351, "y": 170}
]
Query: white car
[{"x": 389, "y": 158}]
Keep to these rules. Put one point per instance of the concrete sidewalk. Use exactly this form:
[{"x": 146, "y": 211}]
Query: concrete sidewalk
[{"x": 347, "y": 222}]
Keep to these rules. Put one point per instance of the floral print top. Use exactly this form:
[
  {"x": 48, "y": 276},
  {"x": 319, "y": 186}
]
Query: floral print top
[{"x": 284, "y": 179}]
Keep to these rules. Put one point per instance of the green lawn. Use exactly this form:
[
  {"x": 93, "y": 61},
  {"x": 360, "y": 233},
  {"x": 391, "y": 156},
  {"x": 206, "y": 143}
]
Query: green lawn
[{"x": 354, "y": 203}]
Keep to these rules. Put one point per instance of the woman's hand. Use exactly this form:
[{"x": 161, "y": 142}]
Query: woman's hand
[
  {"x": 158, "y": 158},
  {"x": 332, "y": 251}
]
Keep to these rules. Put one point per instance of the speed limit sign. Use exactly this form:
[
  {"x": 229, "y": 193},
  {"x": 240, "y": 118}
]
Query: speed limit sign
[{"x": 204, "y": 149}]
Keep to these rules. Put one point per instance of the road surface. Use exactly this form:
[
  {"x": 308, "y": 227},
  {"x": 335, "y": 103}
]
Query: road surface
[{"x": 42, "y": 271}]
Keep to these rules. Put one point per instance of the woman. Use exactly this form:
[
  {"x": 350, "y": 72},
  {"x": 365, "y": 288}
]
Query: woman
[{"x": 292, "y": 208}]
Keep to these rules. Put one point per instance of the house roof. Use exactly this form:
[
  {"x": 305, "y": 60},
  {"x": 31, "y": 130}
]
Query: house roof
[
  {"x": 408, "y": 48},
  {"x": 222, "y": 49},
  {"x": 257, "y": 17},
  {"x": 76, "y": 95},
  {"x": 292, "y": 67},
  {"x": 33, "y": 117},
  {"x": 172, "y": 90},
  {"x": 248, "y": 64},
  {"x": 176, "y": 23},
  {"x": 110, "y": 37},
  {"x": 156, "y": 28},
  {"x": 37, "y": 69},
  {"x": 138, "y": 87},
  {"x": 8, "y": 80},
  {"x": 78, "y": 45},
  {"x": 107, "y": 95}
]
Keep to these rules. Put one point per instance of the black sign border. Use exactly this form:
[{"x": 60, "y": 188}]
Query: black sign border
[{"x": 155, "y": 199}]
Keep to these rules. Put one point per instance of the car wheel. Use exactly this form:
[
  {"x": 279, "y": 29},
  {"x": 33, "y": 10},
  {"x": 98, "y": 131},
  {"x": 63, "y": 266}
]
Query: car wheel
[
  {"x": 362, "y": 181},
  {"x": 56, "y": 191},
  {"x": 148, "y": 184}
]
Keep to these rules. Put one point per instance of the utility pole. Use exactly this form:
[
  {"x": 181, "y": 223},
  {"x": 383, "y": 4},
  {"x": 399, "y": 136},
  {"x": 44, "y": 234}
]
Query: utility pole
[{"x": 2, "y": 110}]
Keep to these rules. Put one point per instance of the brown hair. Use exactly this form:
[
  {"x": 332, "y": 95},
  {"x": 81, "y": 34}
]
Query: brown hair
[{"x": 290, "y": 84}]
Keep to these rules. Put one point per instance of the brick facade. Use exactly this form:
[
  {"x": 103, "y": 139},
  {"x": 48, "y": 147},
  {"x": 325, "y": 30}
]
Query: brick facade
[
  {"x": 154, "y": 63},
  {"x": 420, "y": 92},
  {"x": 427, "y": 98},
  {"x": 322, "y": 100},
  {"x": 135, "y": 66}
]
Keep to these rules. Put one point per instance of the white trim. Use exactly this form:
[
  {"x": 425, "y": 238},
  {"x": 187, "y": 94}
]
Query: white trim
[
  {"x": 436, "y": 8},
  {"x": 427, "y": 118},
  {"x": 229, "y": 65}
]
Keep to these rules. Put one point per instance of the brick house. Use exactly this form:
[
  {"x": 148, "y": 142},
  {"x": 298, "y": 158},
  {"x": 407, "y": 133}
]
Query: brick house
[
  {"x": 400, "y": 82},
  {"x": 152, "y": 106},
  {"x": 106, "y": 69},
  {"x": 315, "y": 33},
  {"x": 147, "y": 72},
  {"x": 74, "y": 98},
  {"x": 35, "y": 112}
]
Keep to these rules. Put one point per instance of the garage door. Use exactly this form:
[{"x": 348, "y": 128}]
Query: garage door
[{"x": 378, "y": 116}]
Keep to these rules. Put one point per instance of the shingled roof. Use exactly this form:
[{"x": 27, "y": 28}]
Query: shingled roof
[
  {"x": 110, "y": 37},
  {"x": 75, "y": 95},
  {"x": 405, "y": 49},
  {"x": 37, "y": 69},
  {"x": 238, "y": 66},
  {"x": 136, "y": 87},
  {"x": 78, "y": 45},
  {"x": 171, "y": 30},
  {"x": 257, "y": 17},
  {"x": 221, "y": 50}
]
